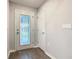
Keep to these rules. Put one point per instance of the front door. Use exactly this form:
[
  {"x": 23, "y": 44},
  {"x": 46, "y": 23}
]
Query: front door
[{"x": 22, "y": 29}]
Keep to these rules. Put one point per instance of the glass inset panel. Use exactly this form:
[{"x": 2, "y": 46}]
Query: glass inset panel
[{"x": 24, "y": 30}]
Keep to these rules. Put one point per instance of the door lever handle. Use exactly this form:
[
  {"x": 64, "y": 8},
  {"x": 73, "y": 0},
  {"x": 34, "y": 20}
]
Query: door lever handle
[{"x": 17, "y": 31}]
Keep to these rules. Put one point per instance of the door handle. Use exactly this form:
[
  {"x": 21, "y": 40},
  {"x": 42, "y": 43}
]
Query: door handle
[{"x": 17, "y": 31}]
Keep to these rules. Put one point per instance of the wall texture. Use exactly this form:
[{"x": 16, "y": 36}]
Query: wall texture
[
  {"x": 11, "y": 24},
  {"x": 51, "y": 17}
]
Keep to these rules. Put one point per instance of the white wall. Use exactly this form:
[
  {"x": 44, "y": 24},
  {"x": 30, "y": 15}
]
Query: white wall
[
  {"x": 51, "y": 17},
  {"x": 8, "y": 46},
  {"x": 11, "y": 23}
]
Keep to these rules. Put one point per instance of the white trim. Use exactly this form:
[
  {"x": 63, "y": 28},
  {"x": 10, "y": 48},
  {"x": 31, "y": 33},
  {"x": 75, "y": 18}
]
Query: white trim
[
  {"x": 35, "y": 46},
  {"x": 52, "y": 57},
  {"x": 48, "y": 54},
  {"x": 10, "y": 52}
]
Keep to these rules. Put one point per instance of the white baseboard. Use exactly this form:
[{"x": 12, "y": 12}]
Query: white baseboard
[
  {"x": 35, "y": 46},
  {"x": 8, "y": 55},
  {"x": 52, "y": 57},
  {"x": 10, "y": 52},
  {"x": 48, "y": 54}
]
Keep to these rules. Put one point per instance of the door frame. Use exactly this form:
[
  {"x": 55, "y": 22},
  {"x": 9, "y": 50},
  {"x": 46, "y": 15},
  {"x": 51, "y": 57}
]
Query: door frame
[{"x": 17, "y": 13}]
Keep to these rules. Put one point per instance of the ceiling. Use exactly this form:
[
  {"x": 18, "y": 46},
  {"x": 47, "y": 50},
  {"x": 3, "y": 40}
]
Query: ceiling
[{"x": 30, "y": 3}]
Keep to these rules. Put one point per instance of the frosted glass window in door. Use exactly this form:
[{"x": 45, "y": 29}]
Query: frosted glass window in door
[{"x": 24, "y": 30}]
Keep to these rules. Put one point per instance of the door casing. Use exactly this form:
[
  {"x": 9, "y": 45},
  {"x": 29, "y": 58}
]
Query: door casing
[{"x": 19, "y": 12}]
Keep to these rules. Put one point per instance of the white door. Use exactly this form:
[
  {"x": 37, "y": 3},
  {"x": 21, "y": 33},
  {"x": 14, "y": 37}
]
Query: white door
[{"x": 22, "y": 29}]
